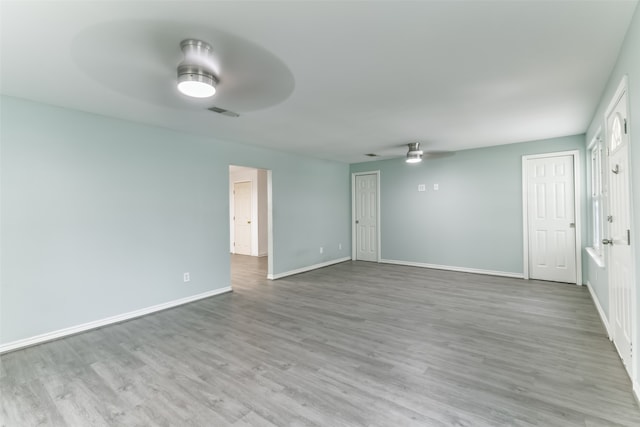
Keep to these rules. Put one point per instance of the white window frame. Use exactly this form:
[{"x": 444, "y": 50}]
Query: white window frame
[{"x": 597, "y": 151}]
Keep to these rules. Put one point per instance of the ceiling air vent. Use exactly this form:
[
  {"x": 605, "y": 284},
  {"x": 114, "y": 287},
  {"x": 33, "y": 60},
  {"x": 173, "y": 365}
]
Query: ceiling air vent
[{"x": 223, "y": 112}]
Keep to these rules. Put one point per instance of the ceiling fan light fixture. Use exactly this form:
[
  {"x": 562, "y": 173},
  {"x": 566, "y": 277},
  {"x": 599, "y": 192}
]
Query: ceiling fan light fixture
[
  {"x": 414, "y": 155},
  {"x": 196, "y": 48},
  {"x": 413, "y": 158},
  {"x": 194, "y": 79},
  {"x": 196, "y": 82}
]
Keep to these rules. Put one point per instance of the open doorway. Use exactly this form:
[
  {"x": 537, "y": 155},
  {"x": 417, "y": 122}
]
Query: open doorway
[{"x": 249, "y": 225}]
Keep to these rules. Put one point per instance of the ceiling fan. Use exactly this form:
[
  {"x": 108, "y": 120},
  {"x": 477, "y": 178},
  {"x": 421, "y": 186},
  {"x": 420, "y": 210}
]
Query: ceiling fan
[
  {"x": 146, "y": 59},
  {"x": 412, "y": 152}
]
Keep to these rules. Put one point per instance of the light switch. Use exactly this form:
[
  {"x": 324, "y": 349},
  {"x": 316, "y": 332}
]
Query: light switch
[{"x": 422, "y": 187}]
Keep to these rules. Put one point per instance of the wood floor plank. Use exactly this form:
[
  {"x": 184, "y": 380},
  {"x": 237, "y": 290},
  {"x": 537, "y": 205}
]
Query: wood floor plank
[{"x": 353, "y": 344}]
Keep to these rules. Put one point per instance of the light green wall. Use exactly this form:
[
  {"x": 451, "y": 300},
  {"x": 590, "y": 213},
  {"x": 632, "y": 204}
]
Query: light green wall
[
  {"x": 101, "y": 216},
  {"x": 628, "y": 63},
  {"x": 474, "y": 220}
]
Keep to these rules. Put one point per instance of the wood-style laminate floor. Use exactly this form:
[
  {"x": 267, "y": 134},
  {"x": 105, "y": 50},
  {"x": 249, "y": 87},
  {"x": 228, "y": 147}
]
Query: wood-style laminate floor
[{"x": 355, "y": 344}]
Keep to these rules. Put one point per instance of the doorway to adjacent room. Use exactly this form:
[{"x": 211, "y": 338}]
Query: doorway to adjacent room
[{"x": 250, "y": 237}]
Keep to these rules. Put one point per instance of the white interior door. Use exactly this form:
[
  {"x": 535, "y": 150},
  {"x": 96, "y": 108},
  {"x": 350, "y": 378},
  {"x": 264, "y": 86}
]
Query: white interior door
[
  {"x": 242, "y": 217},
  {"x": 551, "y": 218},
  {"x": 366, "y": 217},
  {"x": 619, "y": 241}
]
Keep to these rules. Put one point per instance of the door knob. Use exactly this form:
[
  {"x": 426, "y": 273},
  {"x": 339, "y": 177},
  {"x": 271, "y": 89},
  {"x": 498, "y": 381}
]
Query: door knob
[
  {"x": 248, "y": 222},
  {"x": 607, "y": 241},
  {"x": 357, "y": 222}
]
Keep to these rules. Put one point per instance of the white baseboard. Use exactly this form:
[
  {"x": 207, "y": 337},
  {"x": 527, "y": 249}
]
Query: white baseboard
[
  {"x": 38, "y": 339},
  {"x": 636, "y": 391},
  {"x": 596, "y": 302},
  {"x": 308, "y": 268},
  {"x": 450, "y": 268}
]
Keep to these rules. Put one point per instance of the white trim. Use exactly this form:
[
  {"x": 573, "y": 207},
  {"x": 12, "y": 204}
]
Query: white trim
[
  {"x": 597, "y": 136},
  {"x": 378, "y": 218},
  {"x": 307, "y": 268},
  {"x": 452, "y": 268},
  {"x": 577, "y": 211},
  {"x": 597, "y": 258},
  {"x": 596, "y": 302},
  {"x": 636, "y": 391},
  {"x": 620, "y": 90},
  {"x": 577, "y": 191},
  {"x": 525, "y": 220},
  {"x": 270, "y": 252},
  {"x": 60, "y": 333},
  {"x": 354, "y": 245}
]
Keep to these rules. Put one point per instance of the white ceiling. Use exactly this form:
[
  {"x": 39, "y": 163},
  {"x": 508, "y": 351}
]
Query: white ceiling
[{"x": 332, "y": 80}]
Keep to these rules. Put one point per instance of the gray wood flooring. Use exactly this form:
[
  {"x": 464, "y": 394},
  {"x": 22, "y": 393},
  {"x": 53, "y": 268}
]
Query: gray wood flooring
[{"x": 355, "y": 344}]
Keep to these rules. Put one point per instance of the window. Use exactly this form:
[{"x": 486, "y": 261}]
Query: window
[
  {"x": 616, "y": 132},
  {"x": 597, "y": 151}
]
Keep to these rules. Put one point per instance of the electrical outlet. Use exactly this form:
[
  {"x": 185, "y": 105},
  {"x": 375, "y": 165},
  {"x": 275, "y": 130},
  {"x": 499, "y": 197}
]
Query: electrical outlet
[
  {"x": 339, "y": 246},
  {"x": 436, "y": 186},
  {"x": 422, "y": 187},
  {"x": 186, "y": 277},
  {"x": 321, "y": 249}
]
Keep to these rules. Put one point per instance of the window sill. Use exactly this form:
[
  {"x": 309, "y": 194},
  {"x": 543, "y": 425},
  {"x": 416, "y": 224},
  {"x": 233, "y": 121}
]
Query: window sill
[{"x": 597, "y": 258}]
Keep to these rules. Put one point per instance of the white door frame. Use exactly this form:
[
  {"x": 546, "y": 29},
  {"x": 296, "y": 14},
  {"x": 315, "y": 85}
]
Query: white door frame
[
  {"x": 576, "y": 202},
  {"x": 269, "y": 216},
  {"x": 354, "y": 242},
  {"x": 635, "y": 335},
  {"x": 269, "y": 225}
]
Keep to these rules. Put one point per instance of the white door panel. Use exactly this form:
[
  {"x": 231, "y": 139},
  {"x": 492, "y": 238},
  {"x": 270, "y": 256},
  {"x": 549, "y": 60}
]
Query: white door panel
[
  {"x": 620, "y": 261},
  {"x": 242, "y": 217},
  {"x": 551, "y": 219},
  {"x": 366, "y": 196}
]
